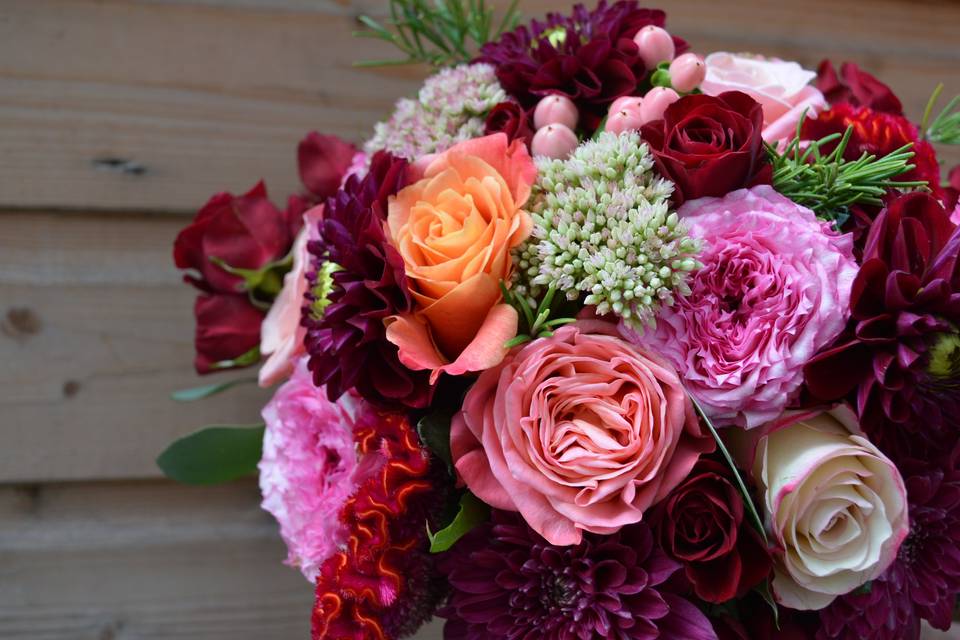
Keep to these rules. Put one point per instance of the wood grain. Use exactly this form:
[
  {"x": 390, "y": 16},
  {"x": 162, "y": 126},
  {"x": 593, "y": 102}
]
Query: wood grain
[
  {"x": 97, "y": 330},
  {"x": 155, "y": 105},
  {"x": 146, "y": 561}
]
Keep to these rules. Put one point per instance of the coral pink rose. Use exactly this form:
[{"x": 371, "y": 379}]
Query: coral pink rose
[
  {"x": 578, "y": 432},
  {"x": 782, "y": 88},
  {"x": 836, "y": 505},
  {"x": 281, "y": 336},
  {"x": 454, "y": 227}
]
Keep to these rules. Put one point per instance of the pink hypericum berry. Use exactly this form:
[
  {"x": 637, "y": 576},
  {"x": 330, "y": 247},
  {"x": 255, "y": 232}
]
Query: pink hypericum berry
[
  {"x": 554, "y": 141},
  {"x": 555, "y": 109},
  {"x": 625, "y": 101},
  {"x": 687, "y": 72},
  {"x": 626, "y": 119},
  {"x": 655, "y": 45},
  {"x": 656, "y": 102}
]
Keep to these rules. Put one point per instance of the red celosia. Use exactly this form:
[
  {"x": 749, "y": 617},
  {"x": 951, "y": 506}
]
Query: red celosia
[{"x": 382, "y": 585}]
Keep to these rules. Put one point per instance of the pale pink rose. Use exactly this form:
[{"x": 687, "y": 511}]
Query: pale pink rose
[
  {"x": 309, "y": 467},
  {"x": 955, "y": 216},
  {"x": 836, "y": 506},
  {"x": 281, "y": 336},
  {"x": 578, "y": 432},
  {"x": 774, "y": 289},
  {"x": 781, "y": 87}
]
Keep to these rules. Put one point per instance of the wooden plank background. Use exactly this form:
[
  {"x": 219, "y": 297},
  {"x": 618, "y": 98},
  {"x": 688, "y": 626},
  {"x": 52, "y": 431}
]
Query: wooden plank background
[{"x": 118, "y": 118}]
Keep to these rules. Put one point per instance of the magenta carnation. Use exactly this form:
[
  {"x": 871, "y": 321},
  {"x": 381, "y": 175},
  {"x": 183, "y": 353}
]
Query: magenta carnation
[
  {"x": 774, "y": 289},
  {"x": 309, "y": 467}
]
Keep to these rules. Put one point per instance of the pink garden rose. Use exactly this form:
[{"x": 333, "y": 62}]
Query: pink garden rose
[
  {"x": 782, "y": 88},
  {"x": 836, "y": 505},
  {"x": 281, "y": 336},
  {"x": 309, "y": 467},
  {"x": 578, "y": 432},
  {"x": 774, "y": 290}
]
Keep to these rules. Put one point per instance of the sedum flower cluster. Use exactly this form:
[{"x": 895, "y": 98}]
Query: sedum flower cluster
[
  {"x": 602, "y": 228},
  {"x": 450, "y": 108}
]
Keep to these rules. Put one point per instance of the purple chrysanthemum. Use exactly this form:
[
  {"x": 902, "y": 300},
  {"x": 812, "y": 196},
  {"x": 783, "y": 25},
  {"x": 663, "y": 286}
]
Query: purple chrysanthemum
[
  {"x": 588, "y": 56},
  {"x": 346, "y": 340},
  {"x": 923, "y": 581},
  {"x": 508, "y": 582}
]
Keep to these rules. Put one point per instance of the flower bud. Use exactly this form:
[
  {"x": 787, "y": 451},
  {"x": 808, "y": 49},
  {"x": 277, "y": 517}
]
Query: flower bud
[
  {"x": 624, "y": 101},
  {"x": 555, "y": 109},
  {"x": 554, "y": 141},
  {"x": 656, "y": 102},
  {"x": 626, "y": 119},
  {"x": 687, "y": 72},
  {"x": 655, "y": 45}
]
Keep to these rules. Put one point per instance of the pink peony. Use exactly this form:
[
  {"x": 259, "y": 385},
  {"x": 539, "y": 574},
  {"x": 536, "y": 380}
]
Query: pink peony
[
  {"x": 781, "y": 87},
  {"x": 774, "y": 290},
  {"x": 579, "y": 431},
  {"x": 281, "y": 336},
  {"x": 309, "y": 467}
]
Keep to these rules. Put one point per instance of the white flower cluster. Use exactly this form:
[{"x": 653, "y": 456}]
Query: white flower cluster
[
  {"x": 450, "y": 108},
  {"x": 602, "y": 228}
]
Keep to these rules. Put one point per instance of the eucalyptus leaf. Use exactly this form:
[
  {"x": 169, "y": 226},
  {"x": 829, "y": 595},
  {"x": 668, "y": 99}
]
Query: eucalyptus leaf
[
  {"x": 214, "y": 454},
  {"x": 472, "y": 512},
  {"x": 207, "y": 390}
]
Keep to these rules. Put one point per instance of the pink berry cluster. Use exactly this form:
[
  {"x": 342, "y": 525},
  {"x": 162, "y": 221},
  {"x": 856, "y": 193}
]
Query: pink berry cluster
[{"x": 555, "y": 116}]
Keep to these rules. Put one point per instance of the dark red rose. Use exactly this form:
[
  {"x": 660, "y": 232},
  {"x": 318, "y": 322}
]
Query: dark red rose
[
  {"x": 243, "y": 231},
  {"x": 710, "y": 145},
  {"x": 856, "y": 87},
  {"x": 323, "y": 160},
  {"x": 228, "y": 326},
  {"x": 510, "y": 118},
  {"x": 702, "y": 525}
]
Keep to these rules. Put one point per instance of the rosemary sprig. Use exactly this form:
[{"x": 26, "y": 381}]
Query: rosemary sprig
[
  {"x": 437, "y": 32},
  {"x": 945, "y": 128},
  {"x": 535, "y": 320},
  {"x": 829, "y": 184}
]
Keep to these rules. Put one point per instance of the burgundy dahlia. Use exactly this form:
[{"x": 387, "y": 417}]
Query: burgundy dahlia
[
  {"x": 900, "y": 356},
  {"x": 508, "y": 582},
  {"x": 856, "y": 87},
  {"x": 589, "y": 56},
  {"x": 923, "y": 581},
  {"x": 347, "y": 343}
]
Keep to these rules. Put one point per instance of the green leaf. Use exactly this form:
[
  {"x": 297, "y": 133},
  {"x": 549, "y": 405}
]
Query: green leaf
[
  {"x": 747, "y": 500},
  {"x": 198, "y": 393},
  {"x": 434, "y": 432},
  {"x": 244, "y": 360},
  {"x": 472, "y": 512},
  {"x": 214, "y": 454},
  {"x": 764, "y": 590}
]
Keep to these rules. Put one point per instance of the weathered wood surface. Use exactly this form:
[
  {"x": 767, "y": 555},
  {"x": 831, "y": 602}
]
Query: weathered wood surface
[
  {"x": 145, "y": 561},
  {"x": 154, "y": 105}
]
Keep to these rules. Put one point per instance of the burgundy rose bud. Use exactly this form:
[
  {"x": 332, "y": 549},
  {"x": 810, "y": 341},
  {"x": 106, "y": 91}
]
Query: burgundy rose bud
[
  {"x": 511, "y": 119},
  {"x": 709, "y": 145},
  {"x": 856, "y": 87},
  {"x": 323, "y": 160},
  {"x": 244, "y": 232},
  {"x": 228, "y": 327},
  {"x": 702, "y": 524}
]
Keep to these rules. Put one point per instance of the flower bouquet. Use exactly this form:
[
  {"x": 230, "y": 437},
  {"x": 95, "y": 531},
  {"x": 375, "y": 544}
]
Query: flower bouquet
[{"x": 596, "y": 337}]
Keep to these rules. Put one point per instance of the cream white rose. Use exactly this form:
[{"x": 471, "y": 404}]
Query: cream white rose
[
  {"x": 836, "y": 505},
  {"x": 781, "y": 87}
]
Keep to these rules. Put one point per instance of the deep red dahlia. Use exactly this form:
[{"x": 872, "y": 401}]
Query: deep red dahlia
[
  {"x": 510, "y": 583},
  {"x": 900, "y": 356},
  {"x": 588, "y": 56},
  {"x": 384, "y": 585},
  {"x": 923, "y": 581},
  {"x": 347, "y": 343}
]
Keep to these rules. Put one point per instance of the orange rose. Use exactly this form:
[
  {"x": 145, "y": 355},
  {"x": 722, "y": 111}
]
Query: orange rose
[{"x": 454, "y": 228}]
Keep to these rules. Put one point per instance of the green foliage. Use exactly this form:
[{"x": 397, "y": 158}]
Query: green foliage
[
  {"x": 214, "y": 454},
  {"x": 434, "y": 432},
  {"x": 247, "y": 359},
  {"x": 199, "y": 393},
  {"x": 535, "y": 321},
  {"x": 945, "y": 128},
  {"x": 473, "y": 511},
  {"x": 437, "y": 32},
  {"x": 829, "y": 184}
]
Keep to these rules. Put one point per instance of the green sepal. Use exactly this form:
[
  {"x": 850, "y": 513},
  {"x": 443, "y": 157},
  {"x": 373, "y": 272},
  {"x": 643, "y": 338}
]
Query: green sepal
[
  {"x": 263, "y": 284},
  {"x": 214, "y": 454},
  {"x": 473, "y": 512},
  {"x": 198, "y": 393},
  {"x": 247, "y": 359},
  {"x": 661, "y": 78}
]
